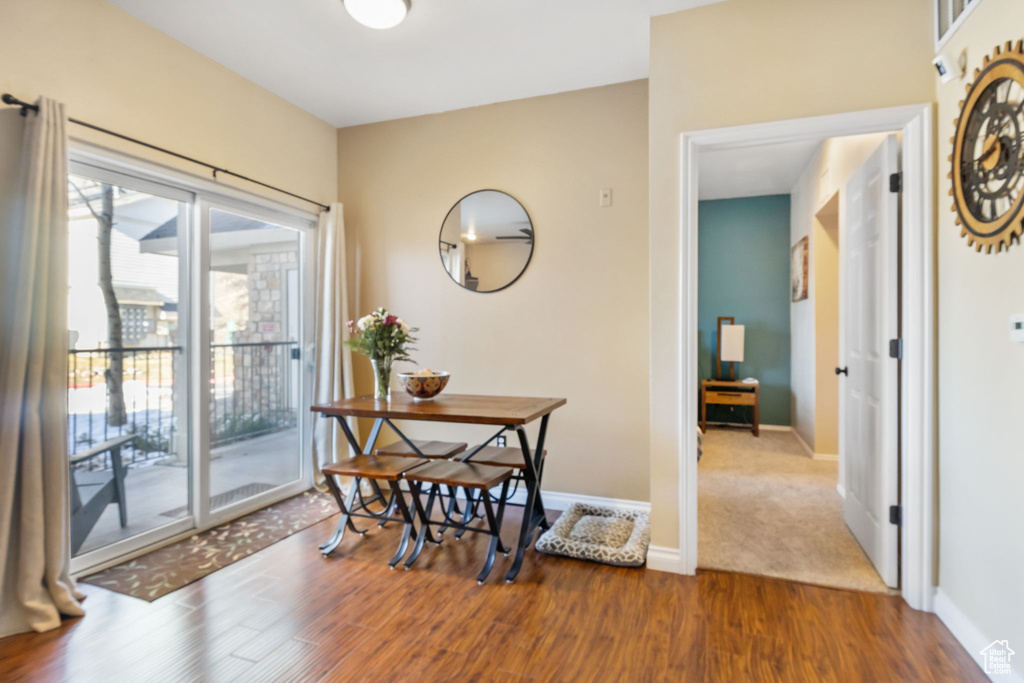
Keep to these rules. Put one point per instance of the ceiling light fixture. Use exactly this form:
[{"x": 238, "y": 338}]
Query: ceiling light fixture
[{"x": 378, "y": 13}]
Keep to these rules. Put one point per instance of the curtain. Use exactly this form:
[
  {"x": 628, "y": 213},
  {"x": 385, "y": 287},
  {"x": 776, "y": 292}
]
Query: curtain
[
  {"x": 35, "y": 546},
  {"x": 333, "y": 360}
]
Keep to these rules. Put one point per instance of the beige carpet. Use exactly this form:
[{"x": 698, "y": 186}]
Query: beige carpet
[{"x": 767, "y": 508}]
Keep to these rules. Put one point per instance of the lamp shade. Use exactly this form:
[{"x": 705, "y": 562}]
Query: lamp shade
[{"x": 732, "y": 343}]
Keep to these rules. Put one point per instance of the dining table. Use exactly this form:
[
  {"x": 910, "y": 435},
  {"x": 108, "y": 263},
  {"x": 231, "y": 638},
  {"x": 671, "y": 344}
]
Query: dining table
[{"x": 510, "y": 414}]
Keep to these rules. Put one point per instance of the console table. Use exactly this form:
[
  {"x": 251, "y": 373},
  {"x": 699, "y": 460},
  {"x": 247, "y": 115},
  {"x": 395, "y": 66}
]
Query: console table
[{"x": 731, "y": 393}]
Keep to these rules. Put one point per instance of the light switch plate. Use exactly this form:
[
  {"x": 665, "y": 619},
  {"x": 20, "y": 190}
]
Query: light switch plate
[
  {"x": 606, "y": 197},
  {"x": 1017, "y": 327}
]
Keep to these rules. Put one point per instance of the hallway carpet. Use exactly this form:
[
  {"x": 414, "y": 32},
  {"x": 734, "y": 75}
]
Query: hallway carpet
[{"x": 765, "y": 507}]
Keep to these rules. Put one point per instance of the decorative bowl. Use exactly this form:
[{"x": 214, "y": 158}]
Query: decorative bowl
[{"x": 423, "y": 387}]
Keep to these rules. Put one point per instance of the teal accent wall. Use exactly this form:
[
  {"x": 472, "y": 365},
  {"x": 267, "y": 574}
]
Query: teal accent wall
[{"x": 743, "y": 271}]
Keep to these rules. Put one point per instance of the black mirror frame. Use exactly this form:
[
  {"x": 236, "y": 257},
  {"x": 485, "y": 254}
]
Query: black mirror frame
[{"x": 526, "y": 265}]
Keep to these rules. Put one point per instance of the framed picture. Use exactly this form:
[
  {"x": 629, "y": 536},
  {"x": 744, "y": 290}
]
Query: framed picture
[{"x": 798, "y": 270}]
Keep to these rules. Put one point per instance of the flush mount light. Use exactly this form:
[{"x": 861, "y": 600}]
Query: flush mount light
[{"x": 378, "y": 13}]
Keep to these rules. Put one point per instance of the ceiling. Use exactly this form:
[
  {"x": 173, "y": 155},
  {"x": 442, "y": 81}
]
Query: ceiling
[
  {"x": 448, "y": 54},
  {"x": 753, "y": 171}
]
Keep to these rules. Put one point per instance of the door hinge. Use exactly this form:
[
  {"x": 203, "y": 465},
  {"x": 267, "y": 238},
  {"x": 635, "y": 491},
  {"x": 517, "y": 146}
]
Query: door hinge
[
  {"x": 896, "y": 515},
  {"x": 896, "y": 348},
  {"x": 896, "y": 182}
]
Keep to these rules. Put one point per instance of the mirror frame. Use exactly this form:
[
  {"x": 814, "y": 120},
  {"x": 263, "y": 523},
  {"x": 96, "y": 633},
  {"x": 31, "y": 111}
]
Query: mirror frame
[{"x": 529, "y": 259}]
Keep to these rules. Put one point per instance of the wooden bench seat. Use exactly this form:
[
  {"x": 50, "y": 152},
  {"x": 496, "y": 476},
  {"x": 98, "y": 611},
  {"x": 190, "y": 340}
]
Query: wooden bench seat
[
  {"x": 371, "y": 467},
  {"x": 454, "y": 473},
  {"x": 500, "y": 456},
  {"x": 441, "y": 450}
]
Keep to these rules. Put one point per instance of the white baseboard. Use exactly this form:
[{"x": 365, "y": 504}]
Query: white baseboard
[
  {"x": 555, "y": 500},
  {"x": 832, "y": 457},
  {"x": 800, "y": 439},
  {"x": 970, "y": 636},
  {"x": 841, "y": 490},
  {"x": 662, "y": 559},
  {"x": 776, "y": 428}
]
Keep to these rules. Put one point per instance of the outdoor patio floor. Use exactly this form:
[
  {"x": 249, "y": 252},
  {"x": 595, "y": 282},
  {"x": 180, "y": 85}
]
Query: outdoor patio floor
[{"x": 158, "y": 489}]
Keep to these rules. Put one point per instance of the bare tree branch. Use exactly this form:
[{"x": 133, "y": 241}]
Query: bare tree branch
[{"x": 88, "y": 202}]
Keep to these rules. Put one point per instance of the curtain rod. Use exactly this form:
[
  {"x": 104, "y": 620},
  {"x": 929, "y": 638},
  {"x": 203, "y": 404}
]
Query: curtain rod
[{"x": 25, "y": 106}]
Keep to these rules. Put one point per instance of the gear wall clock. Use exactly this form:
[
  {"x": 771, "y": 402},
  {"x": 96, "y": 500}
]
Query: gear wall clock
[{"x": 988, "y": 153}]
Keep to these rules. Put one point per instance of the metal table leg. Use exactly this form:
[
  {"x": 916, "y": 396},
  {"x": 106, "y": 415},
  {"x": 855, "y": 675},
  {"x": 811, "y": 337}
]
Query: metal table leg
[
  {"x": 533, "y": 511},
  {"x": 345, "y": 521}
]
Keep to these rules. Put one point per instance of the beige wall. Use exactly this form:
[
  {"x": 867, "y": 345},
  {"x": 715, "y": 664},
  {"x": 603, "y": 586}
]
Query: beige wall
[
  {"x": 814, "y": 322},
  {"x": 981, "y": 453},
  {"x": 575, "y": 325},
  {"x": 747, "y": 61},
  {"x": 113, "y": 70},
  {"x": 825, "y": 238}
]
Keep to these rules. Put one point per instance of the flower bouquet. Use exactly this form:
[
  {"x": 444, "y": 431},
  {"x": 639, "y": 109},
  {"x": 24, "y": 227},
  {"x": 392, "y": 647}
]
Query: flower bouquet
[{"x": 383, "y": 338}]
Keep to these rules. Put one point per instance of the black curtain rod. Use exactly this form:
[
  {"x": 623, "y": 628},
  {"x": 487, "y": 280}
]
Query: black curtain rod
[{"x": 25, "y": 106}]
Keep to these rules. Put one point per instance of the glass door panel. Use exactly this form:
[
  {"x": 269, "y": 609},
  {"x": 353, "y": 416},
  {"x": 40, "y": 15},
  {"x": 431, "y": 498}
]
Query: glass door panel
[
  {"x": 127, "y": 395},
  {"x": 255, "y": 351}
]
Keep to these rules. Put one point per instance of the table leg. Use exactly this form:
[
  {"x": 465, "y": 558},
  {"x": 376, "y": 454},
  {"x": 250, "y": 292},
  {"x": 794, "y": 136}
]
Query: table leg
[
  {"x": 468, "y": 513},
  {"x": 757, "y": 412},
  {"x": 408, "y": 530},
  {"x": 703, "y": 410},
  {"x": 533, "y": 511},
  {"x": 345, "y": 521},
  {"x": 424, "y": 515},
  {"x": 494, "y": 524}
]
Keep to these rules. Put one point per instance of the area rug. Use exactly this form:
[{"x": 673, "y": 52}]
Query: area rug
[
  {"x": 765, "y": 507},
  {"x": 165, "y": 570}
]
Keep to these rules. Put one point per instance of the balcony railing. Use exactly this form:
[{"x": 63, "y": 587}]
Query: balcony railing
[{"x": 253, "y": 391}]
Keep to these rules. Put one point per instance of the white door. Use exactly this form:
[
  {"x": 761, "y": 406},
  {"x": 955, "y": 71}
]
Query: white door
[{"x": 870, "y": 317}]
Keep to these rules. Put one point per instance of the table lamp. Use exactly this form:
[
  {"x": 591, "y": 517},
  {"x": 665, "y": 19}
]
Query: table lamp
[{"x": 730, "y": 345}]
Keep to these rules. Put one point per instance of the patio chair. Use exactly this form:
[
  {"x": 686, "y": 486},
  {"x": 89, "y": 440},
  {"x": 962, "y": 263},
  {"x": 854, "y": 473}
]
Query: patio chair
[{"x": 90, "y": 498}]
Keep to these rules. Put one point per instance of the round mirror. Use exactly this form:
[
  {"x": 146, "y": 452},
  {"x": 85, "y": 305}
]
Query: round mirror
[{"x": 486, "y": 241}]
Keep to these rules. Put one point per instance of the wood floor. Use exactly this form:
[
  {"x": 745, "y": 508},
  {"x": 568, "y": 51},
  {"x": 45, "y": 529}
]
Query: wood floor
[{"x": 285, "y": 614}]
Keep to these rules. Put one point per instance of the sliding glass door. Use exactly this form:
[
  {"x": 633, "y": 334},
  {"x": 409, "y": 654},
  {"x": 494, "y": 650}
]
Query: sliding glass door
[
  {"x": 128, "y": 354},
  {"x": 255, "y": 305},
  {"x": 188, "y": 314}
]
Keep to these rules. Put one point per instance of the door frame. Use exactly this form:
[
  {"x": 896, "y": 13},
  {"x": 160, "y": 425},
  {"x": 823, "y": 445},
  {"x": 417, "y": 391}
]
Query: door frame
[
  {"x": 202, "y": 192},
  {"x": 678, "y": 385}
]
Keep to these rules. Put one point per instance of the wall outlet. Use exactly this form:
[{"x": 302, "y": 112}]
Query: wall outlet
[
  {"x": 1017, "y": 327},
  {"x": 606, "y": 197},
  {"x": 501, "y": 441}
]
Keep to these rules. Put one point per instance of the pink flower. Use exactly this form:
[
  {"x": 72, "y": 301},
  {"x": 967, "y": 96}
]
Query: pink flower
[{"x": 391, "y": 320}]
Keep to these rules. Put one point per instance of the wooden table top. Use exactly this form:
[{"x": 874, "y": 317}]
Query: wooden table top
[{"x": 488, "y": 410}]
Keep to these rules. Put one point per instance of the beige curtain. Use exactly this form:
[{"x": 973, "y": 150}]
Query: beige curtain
[
  {"x": 333, "y": 360},
  {"x": 35, "y": 587}
]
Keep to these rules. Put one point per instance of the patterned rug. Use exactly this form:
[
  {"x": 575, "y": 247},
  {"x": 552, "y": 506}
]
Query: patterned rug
[{"x": 165, "y": 570}]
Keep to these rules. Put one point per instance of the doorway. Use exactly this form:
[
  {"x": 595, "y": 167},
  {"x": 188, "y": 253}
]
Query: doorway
[
  {"x": 673, "y": 431},
  {"x": 188, "y": 311},
  {"x": 770, "y": 499}
]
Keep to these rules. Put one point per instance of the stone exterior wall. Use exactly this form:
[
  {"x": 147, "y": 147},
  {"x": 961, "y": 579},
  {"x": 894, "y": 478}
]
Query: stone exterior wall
[{"x": 262, "y": 371}]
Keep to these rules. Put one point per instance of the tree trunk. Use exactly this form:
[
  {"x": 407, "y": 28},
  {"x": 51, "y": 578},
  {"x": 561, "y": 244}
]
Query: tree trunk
[{"x": 116, "y": 413}]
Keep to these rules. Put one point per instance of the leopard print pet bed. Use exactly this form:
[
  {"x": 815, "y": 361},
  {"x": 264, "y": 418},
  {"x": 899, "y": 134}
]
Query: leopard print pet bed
[{"x": 599, "y": 534}]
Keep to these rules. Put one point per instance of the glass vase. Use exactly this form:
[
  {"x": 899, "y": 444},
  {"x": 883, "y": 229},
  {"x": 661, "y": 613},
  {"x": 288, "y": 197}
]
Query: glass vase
[{"x": 381, "y": 378}]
